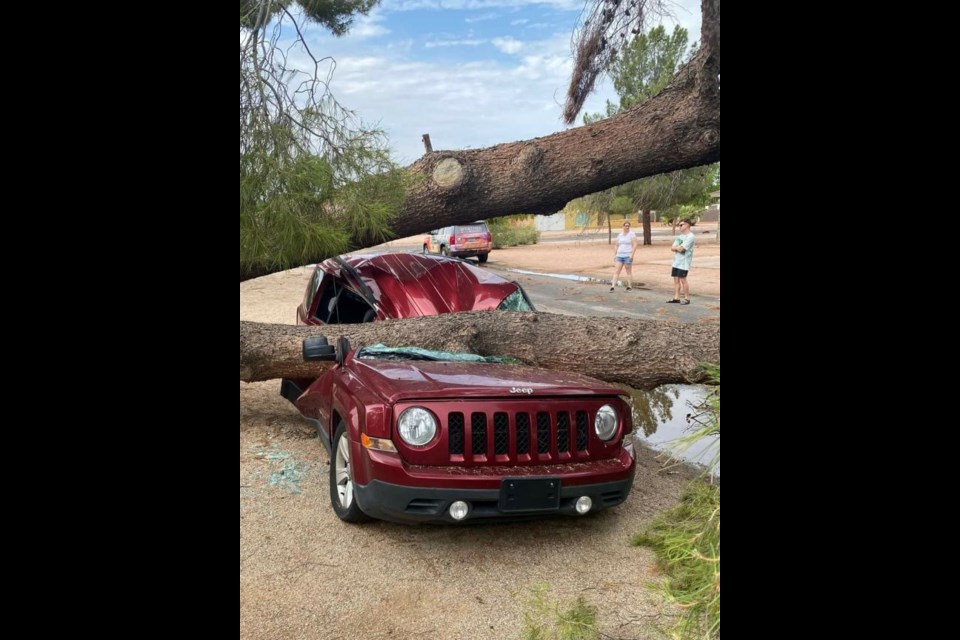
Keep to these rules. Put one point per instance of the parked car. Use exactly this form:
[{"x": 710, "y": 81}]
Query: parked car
[
  {"x": 426, "y": 436},
  {"x": 348, "y": 290},
  {"x": 461, "y": 241}
]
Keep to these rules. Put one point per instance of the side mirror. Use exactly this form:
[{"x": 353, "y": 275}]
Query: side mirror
[{"x": 317, "y": 348}]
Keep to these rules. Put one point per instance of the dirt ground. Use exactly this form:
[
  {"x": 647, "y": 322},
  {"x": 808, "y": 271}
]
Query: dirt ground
[{"x": 306, "y": 574}]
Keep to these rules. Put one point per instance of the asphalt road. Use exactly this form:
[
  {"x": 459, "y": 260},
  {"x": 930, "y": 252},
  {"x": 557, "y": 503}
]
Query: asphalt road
[
  {"x": 575, "y": 295},
  {"x": 593, "y": 298}
]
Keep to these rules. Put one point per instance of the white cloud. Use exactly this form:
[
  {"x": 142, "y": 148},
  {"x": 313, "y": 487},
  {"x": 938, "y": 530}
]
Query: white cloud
[
  {"x": 368, "y": 26},
  {"x": 482, "y": 18},
  {"x": 454, "y": 43},
  {"x": 411, "y": 5},
  {"x": 468, "y": 85},
  {"x": 467, "y": 105},
  {"x": 507, "y": 45}
]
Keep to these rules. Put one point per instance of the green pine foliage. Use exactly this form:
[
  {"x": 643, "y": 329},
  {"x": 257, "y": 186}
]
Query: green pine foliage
[
  {"x": 546, "y": 619},
  {"x": 336, "y": 15},
  {"x": 640, "y": 71},
  {"x": 686, "y": 539},
  {"x": 313, "y": 177}
]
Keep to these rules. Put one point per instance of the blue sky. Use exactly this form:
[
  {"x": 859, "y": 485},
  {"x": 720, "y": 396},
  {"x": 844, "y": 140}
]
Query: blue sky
[{"x": 471, "y": 73}]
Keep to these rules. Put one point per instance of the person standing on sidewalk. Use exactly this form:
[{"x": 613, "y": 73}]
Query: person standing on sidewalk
[
  {"x": 682, "y": 260},
  {"x": 623, "y": 256}
]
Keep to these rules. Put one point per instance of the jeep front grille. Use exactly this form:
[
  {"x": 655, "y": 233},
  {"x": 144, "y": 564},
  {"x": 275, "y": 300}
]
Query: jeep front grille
[{"x": 511, "y": 435}]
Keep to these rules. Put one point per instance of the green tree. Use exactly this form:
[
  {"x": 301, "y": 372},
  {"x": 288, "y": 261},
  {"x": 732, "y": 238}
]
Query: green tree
[
  {"x": 621, "y": 206},
  {"x": 648, "y": 63},
  {"x": 643, "y": 68},
  {"x": 312, "y": 176},
  {"x": 336, "y": 15}
]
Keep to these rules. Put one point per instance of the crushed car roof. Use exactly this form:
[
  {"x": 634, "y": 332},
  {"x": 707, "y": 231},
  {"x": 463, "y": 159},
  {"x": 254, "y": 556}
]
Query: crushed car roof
[{"x": 404, "y": 285}]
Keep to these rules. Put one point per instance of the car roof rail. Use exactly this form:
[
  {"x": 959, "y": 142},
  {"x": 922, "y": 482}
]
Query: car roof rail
[{"x": 364, "y": 289}]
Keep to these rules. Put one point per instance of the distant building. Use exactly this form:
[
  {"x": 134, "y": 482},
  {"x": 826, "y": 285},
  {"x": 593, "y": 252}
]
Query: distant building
[{"x": 553, "y": 222}]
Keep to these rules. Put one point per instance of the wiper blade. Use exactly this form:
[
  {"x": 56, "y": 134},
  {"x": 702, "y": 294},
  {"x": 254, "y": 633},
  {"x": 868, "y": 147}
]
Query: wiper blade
[{"x": 402, "y": 355}]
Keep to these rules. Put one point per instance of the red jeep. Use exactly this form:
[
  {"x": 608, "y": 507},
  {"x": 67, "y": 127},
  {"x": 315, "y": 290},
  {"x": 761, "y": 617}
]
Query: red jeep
[
  {"x": 427, "y": 436},
  {"x": 403, "y": 285}
]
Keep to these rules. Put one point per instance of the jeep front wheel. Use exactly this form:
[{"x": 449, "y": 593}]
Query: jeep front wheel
[{"x": 342, "y": 498}]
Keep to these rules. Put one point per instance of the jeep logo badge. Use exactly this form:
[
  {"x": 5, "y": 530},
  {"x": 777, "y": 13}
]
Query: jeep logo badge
[{"x": 526, "y": 390}]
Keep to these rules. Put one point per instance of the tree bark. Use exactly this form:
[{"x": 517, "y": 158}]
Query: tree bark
[
  {"x": 676, "y": 129},
  {"x": 647, "y": 232},
  {"x": 639, "y": 353}
]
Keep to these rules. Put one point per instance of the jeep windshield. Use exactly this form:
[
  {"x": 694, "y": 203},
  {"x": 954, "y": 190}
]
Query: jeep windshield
[
  {"x": 381, "y": 352},
  {"x": 516, "y": 301}
]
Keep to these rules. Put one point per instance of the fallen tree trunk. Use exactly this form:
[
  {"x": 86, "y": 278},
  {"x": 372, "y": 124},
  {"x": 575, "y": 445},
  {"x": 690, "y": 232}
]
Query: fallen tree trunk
[
  {"x": 639, "y": 353},
  {"x": 676, "y": 129}
]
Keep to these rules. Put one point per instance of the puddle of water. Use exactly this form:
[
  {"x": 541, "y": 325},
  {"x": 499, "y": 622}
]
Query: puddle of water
[
  {"x": 569, "y": 276},
  {"x": 562, "y": 276},
  {"x": 670, "y": 412}
]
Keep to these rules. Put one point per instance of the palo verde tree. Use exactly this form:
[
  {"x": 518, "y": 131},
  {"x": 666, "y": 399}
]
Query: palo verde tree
[{"x": 312, "y": 176}]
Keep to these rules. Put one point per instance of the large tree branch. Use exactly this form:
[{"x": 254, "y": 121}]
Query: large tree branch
[
  {"x": 639, "y": 353},
  {"x": 676, "y": 129}
]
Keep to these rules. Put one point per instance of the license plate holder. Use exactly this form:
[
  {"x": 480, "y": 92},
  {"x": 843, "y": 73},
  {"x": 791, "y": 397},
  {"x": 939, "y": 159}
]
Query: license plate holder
[{"x": 529, "y": 494}]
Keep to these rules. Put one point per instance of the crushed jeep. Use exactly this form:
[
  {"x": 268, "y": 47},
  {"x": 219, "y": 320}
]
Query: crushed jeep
[{"x": 427, "y": 436}]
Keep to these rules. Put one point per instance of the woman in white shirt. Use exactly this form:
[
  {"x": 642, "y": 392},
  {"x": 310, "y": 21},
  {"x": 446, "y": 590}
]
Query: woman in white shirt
[{"x": 623, "y": 257}]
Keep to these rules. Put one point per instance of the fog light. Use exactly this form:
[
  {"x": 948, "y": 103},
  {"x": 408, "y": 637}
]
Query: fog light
[
  {"x": 460, "y": 509},
  {"x": 583, "y": 504}
]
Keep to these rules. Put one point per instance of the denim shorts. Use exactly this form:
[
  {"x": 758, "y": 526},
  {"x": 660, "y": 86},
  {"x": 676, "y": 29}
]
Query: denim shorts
[{"x": 624, "y": 259}]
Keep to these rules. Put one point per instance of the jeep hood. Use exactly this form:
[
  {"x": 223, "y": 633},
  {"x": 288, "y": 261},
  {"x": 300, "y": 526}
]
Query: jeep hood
[{"x": 423, "y": 380}]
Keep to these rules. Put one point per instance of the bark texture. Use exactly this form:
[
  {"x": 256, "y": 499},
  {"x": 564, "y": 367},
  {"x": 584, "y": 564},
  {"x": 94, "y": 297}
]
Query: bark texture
[
  {"x": 676, "y": 129},
  {"x": 639, "y": 353}
]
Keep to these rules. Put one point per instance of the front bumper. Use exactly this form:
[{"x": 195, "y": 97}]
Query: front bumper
[{"x": 410, "y": 504}]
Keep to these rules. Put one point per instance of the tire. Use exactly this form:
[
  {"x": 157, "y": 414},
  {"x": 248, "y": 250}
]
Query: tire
[
  {"x": 483, "y": 257},
  {"x": 342, "y": 498},
  {"x": 444, "y": 251}
]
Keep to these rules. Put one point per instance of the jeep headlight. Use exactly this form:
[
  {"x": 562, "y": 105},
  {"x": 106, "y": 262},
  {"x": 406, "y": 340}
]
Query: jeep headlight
[
  {"x": 605, "y": 424},
  {"x": 417, "y": 426}
]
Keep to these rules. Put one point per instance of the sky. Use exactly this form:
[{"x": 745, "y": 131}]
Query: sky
[{"x": 471, "y": 73}]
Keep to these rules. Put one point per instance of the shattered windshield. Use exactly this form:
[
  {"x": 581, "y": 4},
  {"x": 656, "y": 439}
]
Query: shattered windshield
[
  {"x": 516, "y": 301},
  {"x": 381, "y": 352}
]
